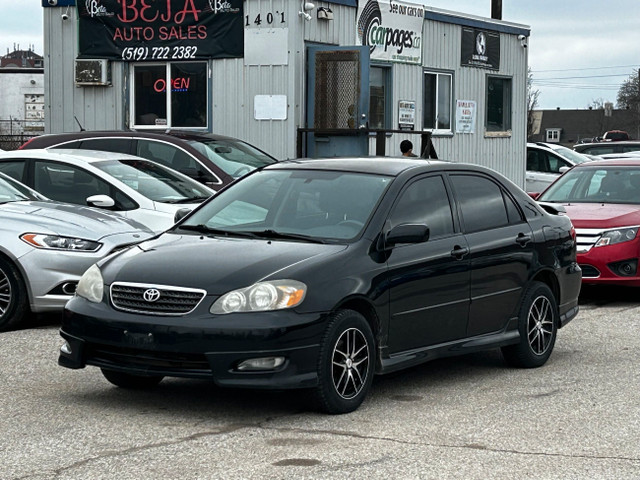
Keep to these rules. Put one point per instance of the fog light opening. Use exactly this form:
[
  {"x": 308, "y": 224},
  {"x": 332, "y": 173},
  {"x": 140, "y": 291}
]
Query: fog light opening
[
  {"x": 66, "y": 348},
  {"x": 625, "y": 268},
  {"x": 69, "y": 288},
  {"x": 264, "y": 363}
]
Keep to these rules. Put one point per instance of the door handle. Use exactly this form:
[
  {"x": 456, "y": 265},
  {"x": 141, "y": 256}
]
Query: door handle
[
  {"x": 523, "y": 239},
  {"x": 459, "y": 252}
]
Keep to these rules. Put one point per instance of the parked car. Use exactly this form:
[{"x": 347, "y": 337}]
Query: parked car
[
  {"x": 602, "y": 199},
  {"x": 319, "y": 273},
  {"x": 547, "y": 161},
  {"x": 131, "y": 186},
  {"x": 46, "y": 246},
  {"x": 615, "y": 136},
  {"x": 601, "y": 148},
  {"x": 214, "y": 160}
]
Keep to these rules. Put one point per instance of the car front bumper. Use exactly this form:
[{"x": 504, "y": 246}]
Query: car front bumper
[
  {"x": 198, "y": 345},
  {"x": 604, "y": 265}
]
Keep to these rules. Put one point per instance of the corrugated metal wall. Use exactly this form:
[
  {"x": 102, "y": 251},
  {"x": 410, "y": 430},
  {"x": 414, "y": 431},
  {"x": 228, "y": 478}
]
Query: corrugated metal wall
[
  {"x": 235, "y": 85},
  {"x": 96, "y": 108}
]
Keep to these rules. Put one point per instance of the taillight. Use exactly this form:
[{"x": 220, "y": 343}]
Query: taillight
[
  {"x": 573, "y": 233},
  {"x": 21, "y": 147}
]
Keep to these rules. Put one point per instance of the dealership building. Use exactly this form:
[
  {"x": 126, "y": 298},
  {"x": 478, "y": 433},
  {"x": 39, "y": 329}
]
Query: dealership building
[{"x": 296, "y": 78}]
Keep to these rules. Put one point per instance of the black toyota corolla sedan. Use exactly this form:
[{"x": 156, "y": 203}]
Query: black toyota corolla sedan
[{"x": 321, "y": 273}]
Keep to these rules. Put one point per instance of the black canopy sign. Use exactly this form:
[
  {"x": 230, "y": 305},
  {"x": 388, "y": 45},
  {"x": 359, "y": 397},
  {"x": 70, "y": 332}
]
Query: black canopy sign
[
  {"x": 480, "y": 49},
  {"x": 156, "y": 30}
]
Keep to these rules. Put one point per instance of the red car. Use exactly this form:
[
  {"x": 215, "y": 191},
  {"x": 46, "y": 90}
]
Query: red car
[{"x": 602, "y": 199}]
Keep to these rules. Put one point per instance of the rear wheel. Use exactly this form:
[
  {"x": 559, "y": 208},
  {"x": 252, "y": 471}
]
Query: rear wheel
[
  {"x": 13, "y": 296},
  {"x": 126, "y": 380},
  {"x": 346, "y": 363},
  {"x": 538, "y": 325}
]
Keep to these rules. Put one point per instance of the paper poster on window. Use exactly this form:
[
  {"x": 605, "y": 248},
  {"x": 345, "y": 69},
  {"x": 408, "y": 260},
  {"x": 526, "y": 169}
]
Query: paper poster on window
[
  {"x": 392, "y": 30},
  {"x": 466, "y": 116},
  {"x": 406, "y": 114}
]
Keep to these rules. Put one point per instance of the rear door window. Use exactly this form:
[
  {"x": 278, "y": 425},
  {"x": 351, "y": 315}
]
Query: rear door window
[{"x": 14, "y": 168}]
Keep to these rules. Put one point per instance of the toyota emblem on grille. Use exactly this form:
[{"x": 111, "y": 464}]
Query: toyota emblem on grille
[{"x": 151, "y": 295}]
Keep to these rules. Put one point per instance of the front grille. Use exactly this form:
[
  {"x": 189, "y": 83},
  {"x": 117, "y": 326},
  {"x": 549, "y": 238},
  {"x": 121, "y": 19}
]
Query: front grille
[
  {"x": 177, "y": 363},
  {"x": 589, "y": 272},
  {"x": 159, "y": 299},
  {"x": 586, "y": 238}
]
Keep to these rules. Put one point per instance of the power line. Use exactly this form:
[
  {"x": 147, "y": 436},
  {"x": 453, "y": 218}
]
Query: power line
[{"x": 584, "y": 68}]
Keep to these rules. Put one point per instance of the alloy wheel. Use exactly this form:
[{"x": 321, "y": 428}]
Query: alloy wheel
[
  {"x": 350, "y": 363},
  {"x": 540, "y": 325},
  {"x": 5, "y": 293}
]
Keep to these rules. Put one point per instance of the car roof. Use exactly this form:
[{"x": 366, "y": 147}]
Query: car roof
[
  {"x": 392, "y": 166},
  {"x": 84, "y": 156},
  {"x": 625, "y": 162}
]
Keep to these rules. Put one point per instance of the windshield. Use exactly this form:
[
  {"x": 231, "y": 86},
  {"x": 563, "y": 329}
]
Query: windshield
[
  {"x": 234, "y": 157},
  {"x": 12, "y": 191},
  {"x": 596, "y": 185},
  {"x": 293, "y": 204},
  {"x": 575, "y": 157},
  {"x": 155, "y": 182}
]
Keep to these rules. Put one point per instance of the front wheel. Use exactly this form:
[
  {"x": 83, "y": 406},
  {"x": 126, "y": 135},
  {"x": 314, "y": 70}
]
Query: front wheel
[
  {"x": 346, "y": 363},
  {"x": 126, "y": 380},
  {"x": 538, "y": 325},
  {"x": 13, "y": 297}
]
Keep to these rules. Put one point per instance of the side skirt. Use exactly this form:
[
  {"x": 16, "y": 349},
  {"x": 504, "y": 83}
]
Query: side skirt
[{"x": 399, "y": 361}]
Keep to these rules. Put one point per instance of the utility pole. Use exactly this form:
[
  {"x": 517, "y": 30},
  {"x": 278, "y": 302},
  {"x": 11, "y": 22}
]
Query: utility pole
[{"x": 496, "y": 9}]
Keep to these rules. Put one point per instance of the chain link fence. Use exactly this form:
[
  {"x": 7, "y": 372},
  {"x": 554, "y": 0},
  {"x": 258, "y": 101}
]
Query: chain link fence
[{"x": 14, "y": 133}]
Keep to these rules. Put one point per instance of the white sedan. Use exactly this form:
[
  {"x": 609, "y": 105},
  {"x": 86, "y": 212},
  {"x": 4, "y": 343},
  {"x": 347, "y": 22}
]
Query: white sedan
[{"x": 134, "y": 187}]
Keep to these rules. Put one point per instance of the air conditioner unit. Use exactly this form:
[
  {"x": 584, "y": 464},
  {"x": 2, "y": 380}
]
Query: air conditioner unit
[{"x": 93, "y": 72}]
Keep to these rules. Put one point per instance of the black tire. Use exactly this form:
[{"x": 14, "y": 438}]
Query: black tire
[
  {"x": 133, "y": 382},
  {"x": 346, "y": 363},
  {"x": 13, "y": 297},
  {"x": 538, "y": 325}
]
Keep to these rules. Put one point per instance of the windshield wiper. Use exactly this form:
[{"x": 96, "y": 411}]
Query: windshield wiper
[
  {"x": 273, "y": 234},
  {"x": 187, "y": 200},
  {"x": 201, "y": 228}
]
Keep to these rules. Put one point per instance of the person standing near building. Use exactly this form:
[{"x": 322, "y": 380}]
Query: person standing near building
[{"x": 406, "y": 147}]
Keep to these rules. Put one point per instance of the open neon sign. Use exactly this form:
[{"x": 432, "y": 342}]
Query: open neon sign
[{"x": 177, "y": 85}]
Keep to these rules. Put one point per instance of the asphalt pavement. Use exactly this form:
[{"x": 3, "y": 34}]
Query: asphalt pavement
[{"x": 470, "y": 417}]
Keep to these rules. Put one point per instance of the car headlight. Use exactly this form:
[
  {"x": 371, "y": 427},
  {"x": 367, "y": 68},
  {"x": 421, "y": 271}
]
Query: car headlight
[
  {"x": 261, "y": 297},
  {"x": 56, "y": 242},
  {"x": 619, "y": 235},
  {"x": 91, "y": 285}
]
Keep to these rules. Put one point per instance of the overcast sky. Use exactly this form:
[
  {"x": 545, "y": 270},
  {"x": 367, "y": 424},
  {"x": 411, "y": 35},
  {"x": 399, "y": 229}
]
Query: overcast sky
[{"x": 579, "y": 50}]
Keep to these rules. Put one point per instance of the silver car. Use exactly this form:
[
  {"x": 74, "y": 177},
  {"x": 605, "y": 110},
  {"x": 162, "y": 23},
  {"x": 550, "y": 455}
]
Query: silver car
[{"x": 46, "y": 246}]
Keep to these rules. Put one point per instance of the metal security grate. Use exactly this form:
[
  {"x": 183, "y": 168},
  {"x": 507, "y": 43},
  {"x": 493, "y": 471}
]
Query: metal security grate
[
  {"x": 155, "y": 299},
  {"x": 337, "y": 89}
]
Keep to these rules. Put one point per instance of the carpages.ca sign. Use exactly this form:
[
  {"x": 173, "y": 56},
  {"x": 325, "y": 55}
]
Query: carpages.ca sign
[
  {"x": 392, "y": 30},
  {"x": 157, "y": 30}
]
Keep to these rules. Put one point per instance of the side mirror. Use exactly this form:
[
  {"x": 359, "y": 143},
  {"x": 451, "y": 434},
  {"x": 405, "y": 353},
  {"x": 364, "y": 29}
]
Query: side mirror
[
  {"x": 407, "y": 233},
  {"x": 564, "y": 169},
  {"x": 180, "y": 214},
  {"x": 100, "y": 201}
]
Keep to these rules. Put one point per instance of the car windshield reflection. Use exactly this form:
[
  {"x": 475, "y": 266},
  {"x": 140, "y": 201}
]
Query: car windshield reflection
[
  {"x": 596, "y": 185},
  {"x": 302, "y": 205},
  {"x": 235, "y": 158},
  {"x": 154, "y": 181}
]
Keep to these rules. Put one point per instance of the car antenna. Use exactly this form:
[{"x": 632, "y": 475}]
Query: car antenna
[{"x": 78, "y": 122}]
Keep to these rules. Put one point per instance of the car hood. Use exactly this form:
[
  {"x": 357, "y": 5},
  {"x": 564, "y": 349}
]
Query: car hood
[
  {"x": 603, "y": 215},
  {"x": 68, "y": 220},
  {"x": 211, "y": 263}
]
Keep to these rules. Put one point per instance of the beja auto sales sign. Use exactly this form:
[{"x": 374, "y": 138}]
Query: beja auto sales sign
[
  {"x": 392, "y": 30},
  {"x": 160, "y": 30}
]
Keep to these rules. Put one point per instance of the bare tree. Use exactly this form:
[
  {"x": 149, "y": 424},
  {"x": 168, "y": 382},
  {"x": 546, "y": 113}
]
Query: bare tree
[
  {"x": 532, "y": 102},
  {"x": 629, "y": 93},
  {"x": 597, "y": 104}
]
